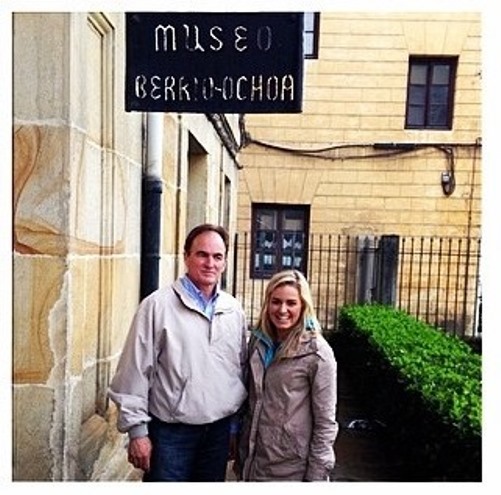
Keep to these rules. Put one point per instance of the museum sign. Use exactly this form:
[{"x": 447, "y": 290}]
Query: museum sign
[{"x": 214, "y": 62}]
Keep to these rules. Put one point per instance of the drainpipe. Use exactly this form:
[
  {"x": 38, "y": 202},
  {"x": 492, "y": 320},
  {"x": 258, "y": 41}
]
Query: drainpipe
[
  {"x": 151, "y": 205},
  {"x": 179, "y": 169}
]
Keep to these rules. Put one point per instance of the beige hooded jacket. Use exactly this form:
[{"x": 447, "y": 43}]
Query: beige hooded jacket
[{"x": 291, "y": 426}]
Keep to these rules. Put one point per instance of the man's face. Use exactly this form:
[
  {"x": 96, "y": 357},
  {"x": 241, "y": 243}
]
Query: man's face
[{"x": 206, "y": 261}]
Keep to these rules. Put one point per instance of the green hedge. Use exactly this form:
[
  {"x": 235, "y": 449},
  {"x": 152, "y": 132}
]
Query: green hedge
[{"x": 437, "y": 375}]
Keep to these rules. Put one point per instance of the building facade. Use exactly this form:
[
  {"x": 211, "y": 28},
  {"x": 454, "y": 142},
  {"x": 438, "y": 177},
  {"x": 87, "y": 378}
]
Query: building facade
[
  {"x": 388, "y": 144},
  {"x": 80, "y": 173}
]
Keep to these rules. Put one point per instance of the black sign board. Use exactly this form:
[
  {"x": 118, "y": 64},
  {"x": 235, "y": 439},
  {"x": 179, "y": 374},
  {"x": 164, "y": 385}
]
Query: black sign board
[{"x": 214, "y": 62}]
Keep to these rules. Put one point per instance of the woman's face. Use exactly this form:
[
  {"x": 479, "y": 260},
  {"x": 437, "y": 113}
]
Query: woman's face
[{"x": 284, "y": 308}]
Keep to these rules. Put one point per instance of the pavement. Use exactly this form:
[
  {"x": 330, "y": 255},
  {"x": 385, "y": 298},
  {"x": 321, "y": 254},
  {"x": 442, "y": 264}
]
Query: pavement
[{"x": 362, "y": 451}]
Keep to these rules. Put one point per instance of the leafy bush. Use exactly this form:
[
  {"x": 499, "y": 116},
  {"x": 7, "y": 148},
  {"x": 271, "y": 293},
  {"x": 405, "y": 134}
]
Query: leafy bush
[{"x": 425, "y": 370}]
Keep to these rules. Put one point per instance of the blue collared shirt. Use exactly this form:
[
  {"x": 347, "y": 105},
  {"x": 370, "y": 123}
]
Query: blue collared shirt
[{"x": 206, "y": 305}]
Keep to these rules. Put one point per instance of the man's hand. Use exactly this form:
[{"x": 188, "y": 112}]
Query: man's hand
[{"x": 140, "y": 452}]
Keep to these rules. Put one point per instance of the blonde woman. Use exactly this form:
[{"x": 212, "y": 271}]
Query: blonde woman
[{"x": 290, "y": 426}]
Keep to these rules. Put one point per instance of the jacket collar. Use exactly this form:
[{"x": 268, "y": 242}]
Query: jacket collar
[
  {"x": 223, "y": 302},
  {"x": 307, "y": 345}
]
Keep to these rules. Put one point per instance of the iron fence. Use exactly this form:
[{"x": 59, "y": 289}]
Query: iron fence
[{"x": 435, "y": 279}]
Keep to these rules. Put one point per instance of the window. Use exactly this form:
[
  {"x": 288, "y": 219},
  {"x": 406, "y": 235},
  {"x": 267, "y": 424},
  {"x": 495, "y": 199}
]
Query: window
[
  {"x": 430, "y": 93},
  {"x": 279, "y": 239},
  {"x": 310, "y": 34}
]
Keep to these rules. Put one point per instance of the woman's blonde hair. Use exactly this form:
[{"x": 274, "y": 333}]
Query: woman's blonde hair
[{"x": 307, "y": 321}]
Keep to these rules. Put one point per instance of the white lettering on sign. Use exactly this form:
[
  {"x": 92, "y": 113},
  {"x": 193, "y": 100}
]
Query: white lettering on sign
[
  {"x": 170, "y": 39},
  {"x": 219, "y": 41},
  {"x": 228, "y": 63},
  {"x": 243, "y": 88}
]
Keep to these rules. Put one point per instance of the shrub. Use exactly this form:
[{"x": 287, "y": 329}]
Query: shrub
[{"x": 424, "y": 376}]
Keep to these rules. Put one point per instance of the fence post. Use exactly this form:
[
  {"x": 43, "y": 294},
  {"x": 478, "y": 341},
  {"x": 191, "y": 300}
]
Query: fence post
[
  {"x": 365, "y": 268},
  {"x": 387, "y": 270}
]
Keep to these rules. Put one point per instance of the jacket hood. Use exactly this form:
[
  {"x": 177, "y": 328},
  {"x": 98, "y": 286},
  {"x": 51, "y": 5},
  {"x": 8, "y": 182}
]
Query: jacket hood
[{"x": 307, "y": 345}]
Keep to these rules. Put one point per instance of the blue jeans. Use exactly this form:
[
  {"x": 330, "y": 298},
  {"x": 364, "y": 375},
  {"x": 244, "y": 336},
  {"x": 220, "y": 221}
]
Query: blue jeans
[{"x": 183, "y": 452}]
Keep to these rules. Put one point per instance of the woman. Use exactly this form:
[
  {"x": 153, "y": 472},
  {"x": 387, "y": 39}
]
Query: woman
[{"x": 290, "y": 426}]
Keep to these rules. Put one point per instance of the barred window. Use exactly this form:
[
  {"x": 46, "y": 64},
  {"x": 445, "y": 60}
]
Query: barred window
[{"x": 279, "y": 239}]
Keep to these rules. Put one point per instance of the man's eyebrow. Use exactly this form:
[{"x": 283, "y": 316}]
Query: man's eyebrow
[{"x": 207, "y": 253}]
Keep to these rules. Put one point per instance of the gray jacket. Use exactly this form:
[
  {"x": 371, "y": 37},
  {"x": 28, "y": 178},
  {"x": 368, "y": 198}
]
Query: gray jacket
[
  {"x": 178, "y": 365},
  {"x": 291, "y": 426}
]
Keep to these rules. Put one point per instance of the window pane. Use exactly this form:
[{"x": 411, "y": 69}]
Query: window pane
[
  {"x": 266, "y": 219},
  {"x": 293, "y": 213},
  {"x": 266, "y": 240},
  {"x": 415, "y": 116},
  {"x": 438, "y": 115},
  {"x": 309, "y": 21},
  {"x": 295, "y": 224},
  {"x": 268, "y": 262},
  {"x": 418, "y": 74},
  {"x": 438, "y": 95},
  {"x": 264, "y": 257},
  {"x": 308, "y": 44},
  {"x": 440, "y": 74},
  {"x": 417, "y": 95},
  {"x": 292, "y": 249},
  {"x": 264, "y": 263},
  {"x": 292, "y": 220}
]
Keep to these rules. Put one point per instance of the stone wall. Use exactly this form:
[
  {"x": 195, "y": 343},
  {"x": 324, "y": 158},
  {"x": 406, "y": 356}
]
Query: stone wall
[{"x": 77, "y": 172}]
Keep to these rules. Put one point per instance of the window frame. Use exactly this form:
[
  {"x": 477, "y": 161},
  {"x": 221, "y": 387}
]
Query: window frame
[
  {"x": 313, "y": 33},
  {"x": 430, "y": 62},
  {"x": 279, "y": 232}
]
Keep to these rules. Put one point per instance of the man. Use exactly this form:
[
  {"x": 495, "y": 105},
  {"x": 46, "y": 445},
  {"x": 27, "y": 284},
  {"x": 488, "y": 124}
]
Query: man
[{"x": 179, "y": 380}]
